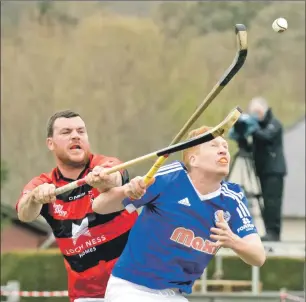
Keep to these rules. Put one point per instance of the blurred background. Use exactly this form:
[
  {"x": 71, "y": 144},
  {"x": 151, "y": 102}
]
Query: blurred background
[{"x": 136, "y": 71}]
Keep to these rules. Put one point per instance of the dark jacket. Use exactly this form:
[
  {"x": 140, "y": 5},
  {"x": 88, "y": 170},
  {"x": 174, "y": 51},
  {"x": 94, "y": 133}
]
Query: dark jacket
[{"x": 268, "y": 147}]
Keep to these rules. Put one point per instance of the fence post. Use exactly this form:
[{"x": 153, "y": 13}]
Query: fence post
[{"x": 13, "y": 286}]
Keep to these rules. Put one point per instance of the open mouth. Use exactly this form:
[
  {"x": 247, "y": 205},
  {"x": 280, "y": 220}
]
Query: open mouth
[
  {"x": 223, "y": 160},
  {"x": 75, "y": 147}
]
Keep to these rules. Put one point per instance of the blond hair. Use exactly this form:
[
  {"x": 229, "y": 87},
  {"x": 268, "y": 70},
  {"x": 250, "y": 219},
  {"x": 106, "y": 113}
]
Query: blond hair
[{"x": 189, "y": 151}]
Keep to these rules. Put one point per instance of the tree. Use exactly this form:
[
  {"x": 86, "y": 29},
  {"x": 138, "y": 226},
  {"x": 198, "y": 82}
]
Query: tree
[{"x": 206, "y": 17}]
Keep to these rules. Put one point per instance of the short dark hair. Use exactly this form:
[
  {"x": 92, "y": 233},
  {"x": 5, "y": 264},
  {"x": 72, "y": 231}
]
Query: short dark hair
[{"x": 55, "y": 116}]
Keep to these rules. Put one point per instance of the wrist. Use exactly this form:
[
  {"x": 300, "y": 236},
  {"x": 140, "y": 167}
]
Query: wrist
[
  {"x": 237, "y": 242},
  {"x": 125, "y": 190}
]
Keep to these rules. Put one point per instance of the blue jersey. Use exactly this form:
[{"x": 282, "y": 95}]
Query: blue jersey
[{"x": 169, "y": 246}]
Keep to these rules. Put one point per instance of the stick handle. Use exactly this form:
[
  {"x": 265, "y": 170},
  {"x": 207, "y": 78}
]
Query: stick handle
[
  {"x": 75, "y": 184},
  {"x": 163, "y": 153},
  {"x": 241, "y": 35}
]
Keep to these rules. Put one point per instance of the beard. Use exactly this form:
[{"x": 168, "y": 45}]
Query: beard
[{"x": 68, "y": 161}]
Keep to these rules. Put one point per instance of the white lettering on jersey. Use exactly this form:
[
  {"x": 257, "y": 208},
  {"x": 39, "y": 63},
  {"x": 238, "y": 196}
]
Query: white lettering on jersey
[
  {"x": 58, "y": 209},
  {"x": 246, "y": 227},
  {"x": 87, "y": 247},
  {"x": 93, "y": 249},
  {"x": 77, "y": 196}
]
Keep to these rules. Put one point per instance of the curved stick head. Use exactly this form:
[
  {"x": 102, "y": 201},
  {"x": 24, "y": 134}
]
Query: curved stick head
[
  {"x": 240, "y": 27},
  {"x": 241, "y": 33},
  {"x": 227, "y": 123}
]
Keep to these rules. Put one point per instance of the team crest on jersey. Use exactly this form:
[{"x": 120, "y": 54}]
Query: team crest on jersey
[{"x": 226, "y": 214}]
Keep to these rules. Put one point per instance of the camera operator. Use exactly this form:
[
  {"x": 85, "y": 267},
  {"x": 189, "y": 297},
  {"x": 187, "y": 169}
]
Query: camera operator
[{"x": 270, "y": 166}]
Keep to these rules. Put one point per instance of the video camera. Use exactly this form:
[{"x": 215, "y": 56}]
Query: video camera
[{"x": 244, "y": 127}]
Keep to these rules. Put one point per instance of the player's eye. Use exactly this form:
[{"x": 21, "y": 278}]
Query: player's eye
[{"x": 81, "y": 130}]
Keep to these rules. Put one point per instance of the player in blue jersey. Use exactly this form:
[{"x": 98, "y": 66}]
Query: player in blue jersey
[{"x": 189, "y": 213}]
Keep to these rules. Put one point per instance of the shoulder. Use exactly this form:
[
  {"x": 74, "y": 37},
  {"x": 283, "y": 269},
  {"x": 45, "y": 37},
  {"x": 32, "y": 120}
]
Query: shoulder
[
  {"x": 232, "y": 191},
  {"x": 102, "y": 160},
  {"x": 37, "y": 181},
  {"x": 171, "y": 171},
  {"x": 274, "y": 121},
  {"x": 235, "y": 199}
]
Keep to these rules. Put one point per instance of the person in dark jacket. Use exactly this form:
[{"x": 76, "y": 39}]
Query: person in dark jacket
[{"x": 270, "y": 165}]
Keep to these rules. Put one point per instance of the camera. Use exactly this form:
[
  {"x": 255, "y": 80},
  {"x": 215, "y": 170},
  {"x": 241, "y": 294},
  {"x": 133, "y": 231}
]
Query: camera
[
  {"x": 242, "y": 130},
  {"x": 244, "y": 127}
]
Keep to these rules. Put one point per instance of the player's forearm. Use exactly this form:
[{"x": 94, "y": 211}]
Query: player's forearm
[
  {"x": 28, "y": 209},
  {"x": 251, "y": 252},
  {"x": 109, "y": 201}
]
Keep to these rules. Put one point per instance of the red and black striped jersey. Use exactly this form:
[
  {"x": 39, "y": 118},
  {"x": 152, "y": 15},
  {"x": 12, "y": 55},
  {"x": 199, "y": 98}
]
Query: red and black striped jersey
[{"x": 90, "y": 242}]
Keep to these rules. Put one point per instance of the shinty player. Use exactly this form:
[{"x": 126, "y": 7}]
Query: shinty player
[
  {"x": 189, "y": 212},
  {"x": 90, "y": 243}
]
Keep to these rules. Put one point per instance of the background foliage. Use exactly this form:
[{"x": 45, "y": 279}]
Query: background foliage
[
  {"x": 136, "y": 72},
  {"x": 48, "y": 273}
]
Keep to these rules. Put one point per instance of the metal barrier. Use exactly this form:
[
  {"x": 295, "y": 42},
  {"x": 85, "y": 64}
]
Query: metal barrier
[
  {"x": 12, "y": 288},
  {"x": 273, "y": 249},
  {"x": 12, "y": 292},
  {"x": 286, "y": 297}
]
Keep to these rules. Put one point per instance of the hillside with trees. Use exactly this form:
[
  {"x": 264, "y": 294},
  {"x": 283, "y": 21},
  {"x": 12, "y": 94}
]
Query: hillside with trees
[{"x": 136, "y": 75}]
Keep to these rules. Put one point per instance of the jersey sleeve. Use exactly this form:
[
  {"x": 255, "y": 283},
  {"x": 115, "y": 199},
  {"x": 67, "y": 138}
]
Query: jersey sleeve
[
  {"x": 241, "y": 222},
  {"x": 152, "y": 193},
  {"x": 164, "y": 176},
  {"x": 35, "y": 182}
]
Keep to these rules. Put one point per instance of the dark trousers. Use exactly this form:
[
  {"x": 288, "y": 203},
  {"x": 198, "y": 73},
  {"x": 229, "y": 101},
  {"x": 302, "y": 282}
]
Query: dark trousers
[{"x": 272, "y": 187}]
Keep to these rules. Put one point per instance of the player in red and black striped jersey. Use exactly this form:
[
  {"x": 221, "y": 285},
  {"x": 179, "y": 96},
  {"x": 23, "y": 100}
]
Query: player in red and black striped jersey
[{"x": 90, "y": 242}]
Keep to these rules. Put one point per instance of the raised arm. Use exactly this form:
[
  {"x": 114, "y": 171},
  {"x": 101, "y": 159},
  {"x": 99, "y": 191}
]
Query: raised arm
[
  {"x": 34, "y": 196},
  {"x": 240, "y": 234},
  {"x": 111, "y": 200}
]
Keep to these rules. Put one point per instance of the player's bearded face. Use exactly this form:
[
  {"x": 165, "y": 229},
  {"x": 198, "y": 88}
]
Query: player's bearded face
[
  {"x": 213, "y": 157},
  {"x": 69, "y": 142}
]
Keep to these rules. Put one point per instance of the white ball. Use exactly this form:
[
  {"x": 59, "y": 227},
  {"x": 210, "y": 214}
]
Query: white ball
[{"x": 280, "y": 25}]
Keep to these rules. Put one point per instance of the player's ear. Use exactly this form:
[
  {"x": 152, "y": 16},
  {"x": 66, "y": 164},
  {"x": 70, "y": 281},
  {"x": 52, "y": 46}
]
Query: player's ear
[
  {"x": 49, "y": 143},
  {"x": 192, "y": 160}
]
